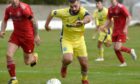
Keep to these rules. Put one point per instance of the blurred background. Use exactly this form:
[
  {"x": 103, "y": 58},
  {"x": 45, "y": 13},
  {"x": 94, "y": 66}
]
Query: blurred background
[{"x": 41, "y": 8}]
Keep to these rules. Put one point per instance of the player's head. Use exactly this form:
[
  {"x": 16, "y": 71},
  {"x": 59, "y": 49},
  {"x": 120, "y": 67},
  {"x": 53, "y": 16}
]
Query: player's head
[
  {"x": 74, "y": 5},
  {"x": 14, "y": 2},
  {"x": 114, "y": 2},
  {"x": 99, "y": 4}
]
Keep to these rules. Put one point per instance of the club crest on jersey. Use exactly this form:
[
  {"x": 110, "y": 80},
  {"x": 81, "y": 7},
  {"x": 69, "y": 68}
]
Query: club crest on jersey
[{"x": 64, "y": 49}]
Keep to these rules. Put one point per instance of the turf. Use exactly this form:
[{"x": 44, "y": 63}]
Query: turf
[{"x": 50, "y": 55}]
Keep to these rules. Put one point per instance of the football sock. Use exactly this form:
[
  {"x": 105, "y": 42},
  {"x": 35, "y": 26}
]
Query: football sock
[
  {"x": 11, "y": 70},
  {"x": 125, "y": 49},
  {"x": 84, "y": 77},
  {"x": 119, "y": 55},
  {"x": 101, "y": 52}
]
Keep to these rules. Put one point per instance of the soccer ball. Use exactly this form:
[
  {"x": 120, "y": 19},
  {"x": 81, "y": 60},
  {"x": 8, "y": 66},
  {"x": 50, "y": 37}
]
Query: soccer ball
[{"x": 53, "y": 81}]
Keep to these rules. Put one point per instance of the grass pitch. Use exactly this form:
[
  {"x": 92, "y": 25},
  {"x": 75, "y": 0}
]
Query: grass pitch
[{"x": 50, "y": 55}]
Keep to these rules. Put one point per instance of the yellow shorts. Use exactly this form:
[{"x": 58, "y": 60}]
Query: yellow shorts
[
  {"x": 104, "y": 37},
  {"x": 78, "y": 48}
]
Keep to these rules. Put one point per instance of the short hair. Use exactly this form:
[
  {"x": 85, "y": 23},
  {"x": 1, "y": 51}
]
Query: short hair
[
  {"x": 98, "y": 0},
  {"x": 72, "y": 1}
]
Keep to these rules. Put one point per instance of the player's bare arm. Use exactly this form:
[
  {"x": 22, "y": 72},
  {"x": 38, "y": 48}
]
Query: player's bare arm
[
  {"x": 3, "y": 28},
  {"x": 49, "y": 18},
  {"x": 106, "y": 25},
  {"x": 127, "y": 24},
  {"x": 86, "y": 20},
  {"x": 35, "y": 26}
]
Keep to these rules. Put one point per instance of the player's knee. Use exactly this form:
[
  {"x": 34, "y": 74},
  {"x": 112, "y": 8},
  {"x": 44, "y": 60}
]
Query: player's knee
[
  {"x": 9, "y": 56},
  {"x": 67, "y": 60},
  {"x": 27, "y": 59},
  {"x": 108, "y": 45},
  {"x": 99, "y": 46},
  {"x": 27, "y": 62},
  {"x": 9, "y": 59},
  {"x": 116, "y": 48}
]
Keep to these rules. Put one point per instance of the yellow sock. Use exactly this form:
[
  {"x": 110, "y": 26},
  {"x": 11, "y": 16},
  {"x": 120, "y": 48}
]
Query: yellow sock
[
  {"x": 101, "y": 52},
  {"x": 85, "y": 77}
]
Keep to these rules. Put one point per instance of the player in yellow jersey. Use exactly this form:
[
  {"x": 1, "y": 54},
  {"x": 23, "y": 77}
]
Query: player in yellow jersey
[
  {"x": 100, "y": 16},
  {"x": 73, "y": 44}
]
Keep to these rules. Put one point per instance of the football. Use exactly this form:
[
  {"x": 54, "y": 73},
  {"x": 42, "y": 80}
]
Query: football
[{"x": 53, "y": 81}]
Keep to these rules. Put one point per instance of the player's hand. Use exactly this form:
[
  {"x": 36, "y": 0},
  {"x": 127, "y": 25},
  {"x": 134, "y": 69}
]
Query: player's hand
[
  {"x": 125, "y": 31},
  {"x": 79, "y": 23},
  {"x": 101, "y": 28},
  {"x": 2, "y": 34},
  {"x": 37, "y": 40},
  {"x": 127, "y": 38},
  {"x": 47, "y": 28}
]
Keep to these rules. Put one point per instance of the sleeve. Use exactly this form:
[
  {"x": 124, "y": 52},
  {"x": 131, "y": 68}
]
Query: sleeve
[
  {"x": 57, "y": 13},
  {"x": 27, "y": 12},
  {"x": 6, "y": 16},
  {"x": 85, "y": 12},
  {"x": 125, "y": 11}
]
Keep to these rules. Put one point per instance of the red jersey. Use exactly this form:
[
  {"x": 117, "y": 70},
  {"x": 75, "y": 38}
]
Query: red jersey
[
  {"x": 20, "y": 16},
  {"x": 119, "y": 13}
]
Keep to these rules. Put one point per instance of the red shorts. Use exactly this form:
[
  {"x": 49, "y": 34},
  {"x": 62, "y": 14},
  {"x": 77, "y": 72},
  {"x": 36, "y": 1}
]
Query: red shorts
[
  {"x": 27, "y": 44},
  {"x": 119, "y": 38}
]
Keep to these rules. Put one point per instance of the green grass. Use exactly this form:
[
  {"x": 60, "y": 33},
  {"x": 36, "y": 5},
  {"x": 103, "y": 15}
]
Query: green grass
[{"x": 50, "y": 55}]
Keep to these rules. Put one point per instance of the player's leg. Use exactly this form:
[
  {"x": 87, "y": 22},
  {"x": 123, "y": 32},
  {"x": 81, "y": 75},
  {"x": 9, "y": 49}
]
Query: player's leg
[
  {"x": 101, "y": 51},
  {"x": 101, "y": 39},
  {"x": 67, "y": 50},
  {"x": 81, "y": 53},
  {"x": 117, "y": 46},
  {"x": 83, "y": 60},
  {"x": 66, "y": 60},
  {"x": 126, "y": 49},
  {"x": 10, "y": 62},
  {"x": 30, "y": 58},
  {"x": 108, "y": 41}
]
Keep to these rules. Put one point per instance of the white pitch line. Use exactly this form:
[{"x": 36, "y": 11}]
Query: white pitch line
[{"x": 118, "y": 73}]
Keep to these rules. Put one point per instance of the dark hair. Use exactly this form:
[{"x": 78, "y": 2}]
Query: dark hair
[
  {"x": 72, "y": 1},
  {"x": 99, "y": 0}
]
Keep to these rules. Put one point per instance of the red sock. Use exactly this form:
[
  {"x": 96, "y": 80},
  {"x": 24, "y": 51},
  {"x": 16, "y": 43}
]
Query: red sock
[
  {"x": 119, "y": 55},
  {"x": 11, "y": 70},
  {"x": 125, "y": 49}
]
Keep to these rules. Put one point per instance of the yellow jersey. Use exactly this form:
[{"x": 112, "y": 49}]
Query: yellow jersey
[
  {"x": 70, "y": 32},
  {"x": 100, "y": 16}
]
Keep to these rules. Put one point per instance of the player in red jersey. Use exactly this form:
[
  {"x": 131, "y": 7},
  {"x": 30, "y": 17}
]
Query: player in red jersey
[
  {"x": 24, "y": 35},
  {"x": 121, "y": 18}
]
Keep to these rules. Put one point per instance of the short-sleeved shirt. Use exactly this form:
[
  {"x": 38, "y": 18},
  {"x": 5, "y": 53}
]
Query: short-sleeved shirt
[
  {"x": 100, "y": 16},
  {"x": 119, "y": 13},
  {"x": 20, "y": 16},
  {"x": 70, "y": 32}
]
